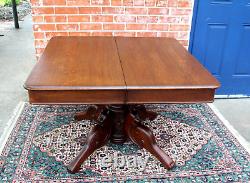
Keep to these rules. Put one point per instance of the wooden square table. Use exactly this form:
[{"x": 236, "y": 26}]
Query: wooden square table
[{"x": 118, "y": 75}]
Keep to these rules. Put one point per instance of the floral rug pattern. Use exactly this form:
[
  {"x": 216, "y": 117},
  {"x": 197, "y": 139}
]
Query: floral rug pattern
[{"x": 45, "y": 138}]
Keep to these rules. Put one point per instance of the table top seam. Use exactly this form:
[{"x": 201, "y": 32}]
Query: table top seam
[{"x": 126, "y": 89}]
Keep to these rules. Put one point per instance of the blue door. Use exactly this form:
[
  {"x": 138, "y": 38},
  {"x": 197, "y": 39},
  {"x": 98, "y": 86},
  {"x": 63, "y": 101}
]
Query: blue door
[{"x": 220, "y": 40}]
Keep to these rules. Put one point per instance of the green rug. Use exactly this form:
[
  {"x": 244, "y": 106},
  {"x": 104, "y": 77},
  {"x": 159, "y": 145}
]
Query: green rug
[{"x": 45, "y": 138}]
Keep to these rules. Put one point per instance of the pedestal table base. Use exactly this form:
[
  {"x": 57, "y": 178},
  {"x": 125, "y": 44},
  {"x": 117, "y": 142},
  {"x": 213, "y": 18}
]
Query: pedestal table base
[{"x": 117, "y": 123}]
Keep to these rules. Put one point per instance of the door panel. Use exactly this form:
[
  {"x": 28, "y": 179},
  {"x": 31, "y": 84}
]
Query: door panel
[
  {"x": 215, "y": 46},
  {"x": 221, "y": 41},
  {"x": 242, "y": 67}
]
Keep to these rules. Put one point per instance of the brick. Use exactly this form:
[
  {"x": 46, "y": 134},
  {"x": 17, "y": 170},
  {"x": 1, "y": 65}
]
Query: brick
[
  {"x": 88, "y": 26},
  {"x": 55, "y": 18},
  {"x": 146, "y": 34},
  {"x": 180, "y": 11},
  {"x": 43, "y": 10},
  {"x": 174, "y": 19},
  {"x": 113, "y": 26},
  {"x": 100, "y": 2},
  {"x": 79, "y": 33},
  {"x": 147, "y": 19},
  {"x": 178, "y": 27},
  {"x": 172, "y": 3},
  {"x": 124, "y": 18},
  {"x": 127, "y": 2},
  {"x": 78, "y": 18},
  {"x": 183, "y": 35},
  {"x": 39, "y": 35},
  {"x": 36, "y": 3},
  {"x": 101, "y": 34},
  {"x": 90, "y": 10},
  {"x": 40, "y": 43},
  {"x": 116, "y": 2},
  {"x": 54, "y": 2},
  {"x": 44, "y": 27},
  {"x": 159, "y": 27},
  {"x": 150, "y": 2},
  {"x": 184, "y": 19},
  {"x": 135, "y": 10},
  {"x": 184, "y": 4},
  {"x": 78, "y": 2},
  {"x": 136, "y": 26},
  {"x": 67, "y": 27},
  {"x": 158, "y": 11},
  {"x": 37, "y": 18},
  {"x": 125, "y": 34},
  {"x": 139, "y": 3},
  {"x": 167, "y": 34},
  {"x": 66, "y": 10},
  {"x": 39, "y": 50},
  {"x": 142, "y": 18},
  {"x": 49, "y": 35},
  {"x": 167, "y": 19},
  {"x": 112, "y": 10},
  {"x": 162, "y": 3},
  {"x": 102, "y": 18}
]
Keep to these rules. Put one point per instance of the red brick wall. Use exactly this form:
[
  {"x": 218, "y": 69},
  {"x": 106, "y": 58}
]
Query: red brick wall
[{"x": 158, "y": 18}]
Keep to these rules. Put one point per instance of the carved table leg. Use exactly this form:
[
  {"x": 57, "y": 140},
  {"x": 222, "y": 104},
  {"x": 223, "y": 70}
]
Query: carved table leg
[
  {"x": 142, "y": 113},
  {"x": 143, "y": 136},
  {"x": 92, "y": 113},
  {"x": 97, "y": 137}
]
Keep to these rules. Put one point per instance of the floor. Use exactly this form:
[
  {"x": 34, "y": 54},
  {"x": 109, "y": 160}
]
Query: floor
[
  {"x": 17, "y": 57},
  {"x": 237, "y": 112}
]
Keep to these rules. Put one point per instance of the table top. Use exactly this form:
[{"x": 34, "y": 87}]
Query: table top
[
  {"x": 119, "y": 70},
  {"x": 78, "y": 63},
  {"x": 161, "y": 63}
]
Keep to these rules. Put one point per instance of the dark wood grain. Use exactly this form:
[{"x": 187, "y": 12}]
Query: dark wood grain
[
  {"x": 119, "y": 122},
  {"x": 142, "y": 113},
  {"x": 73, "y": 64},
  {"x": 76, "y": 96},
  {"x": 144, "y": 138},
  {"x": 160, "y": 70},
  {"x": 118, "y": 114},
  {"x": 92, "y": 113},
  {"x": 142, "y": 96},
  {"x": 97, "y": 137},
  {"x": 106, "y": 70}
]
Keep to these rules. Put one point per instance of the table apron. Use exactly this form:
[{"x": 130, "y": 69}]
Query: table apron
[
  {"x": 77, "y": 96},
  {"x": 170, "y": 96}
]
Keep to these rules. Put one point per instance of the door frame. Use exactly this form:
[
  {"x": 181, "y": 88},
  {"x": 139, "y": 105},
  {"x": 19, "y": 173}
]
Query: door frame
[{"x": 193, "y": 25}]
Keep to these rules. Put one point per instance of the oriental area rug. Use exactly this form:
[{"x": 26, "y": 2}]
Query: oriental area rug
[{"x": 45, "y": 138}]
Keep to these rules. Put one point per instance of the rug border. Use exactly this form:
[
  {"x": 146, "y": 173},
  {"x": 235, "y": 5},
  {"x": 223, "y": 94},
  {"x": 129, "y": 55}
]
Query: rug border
[
  {"x": 11, "y": 124},
  {"x": 234, "y": 132}
]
